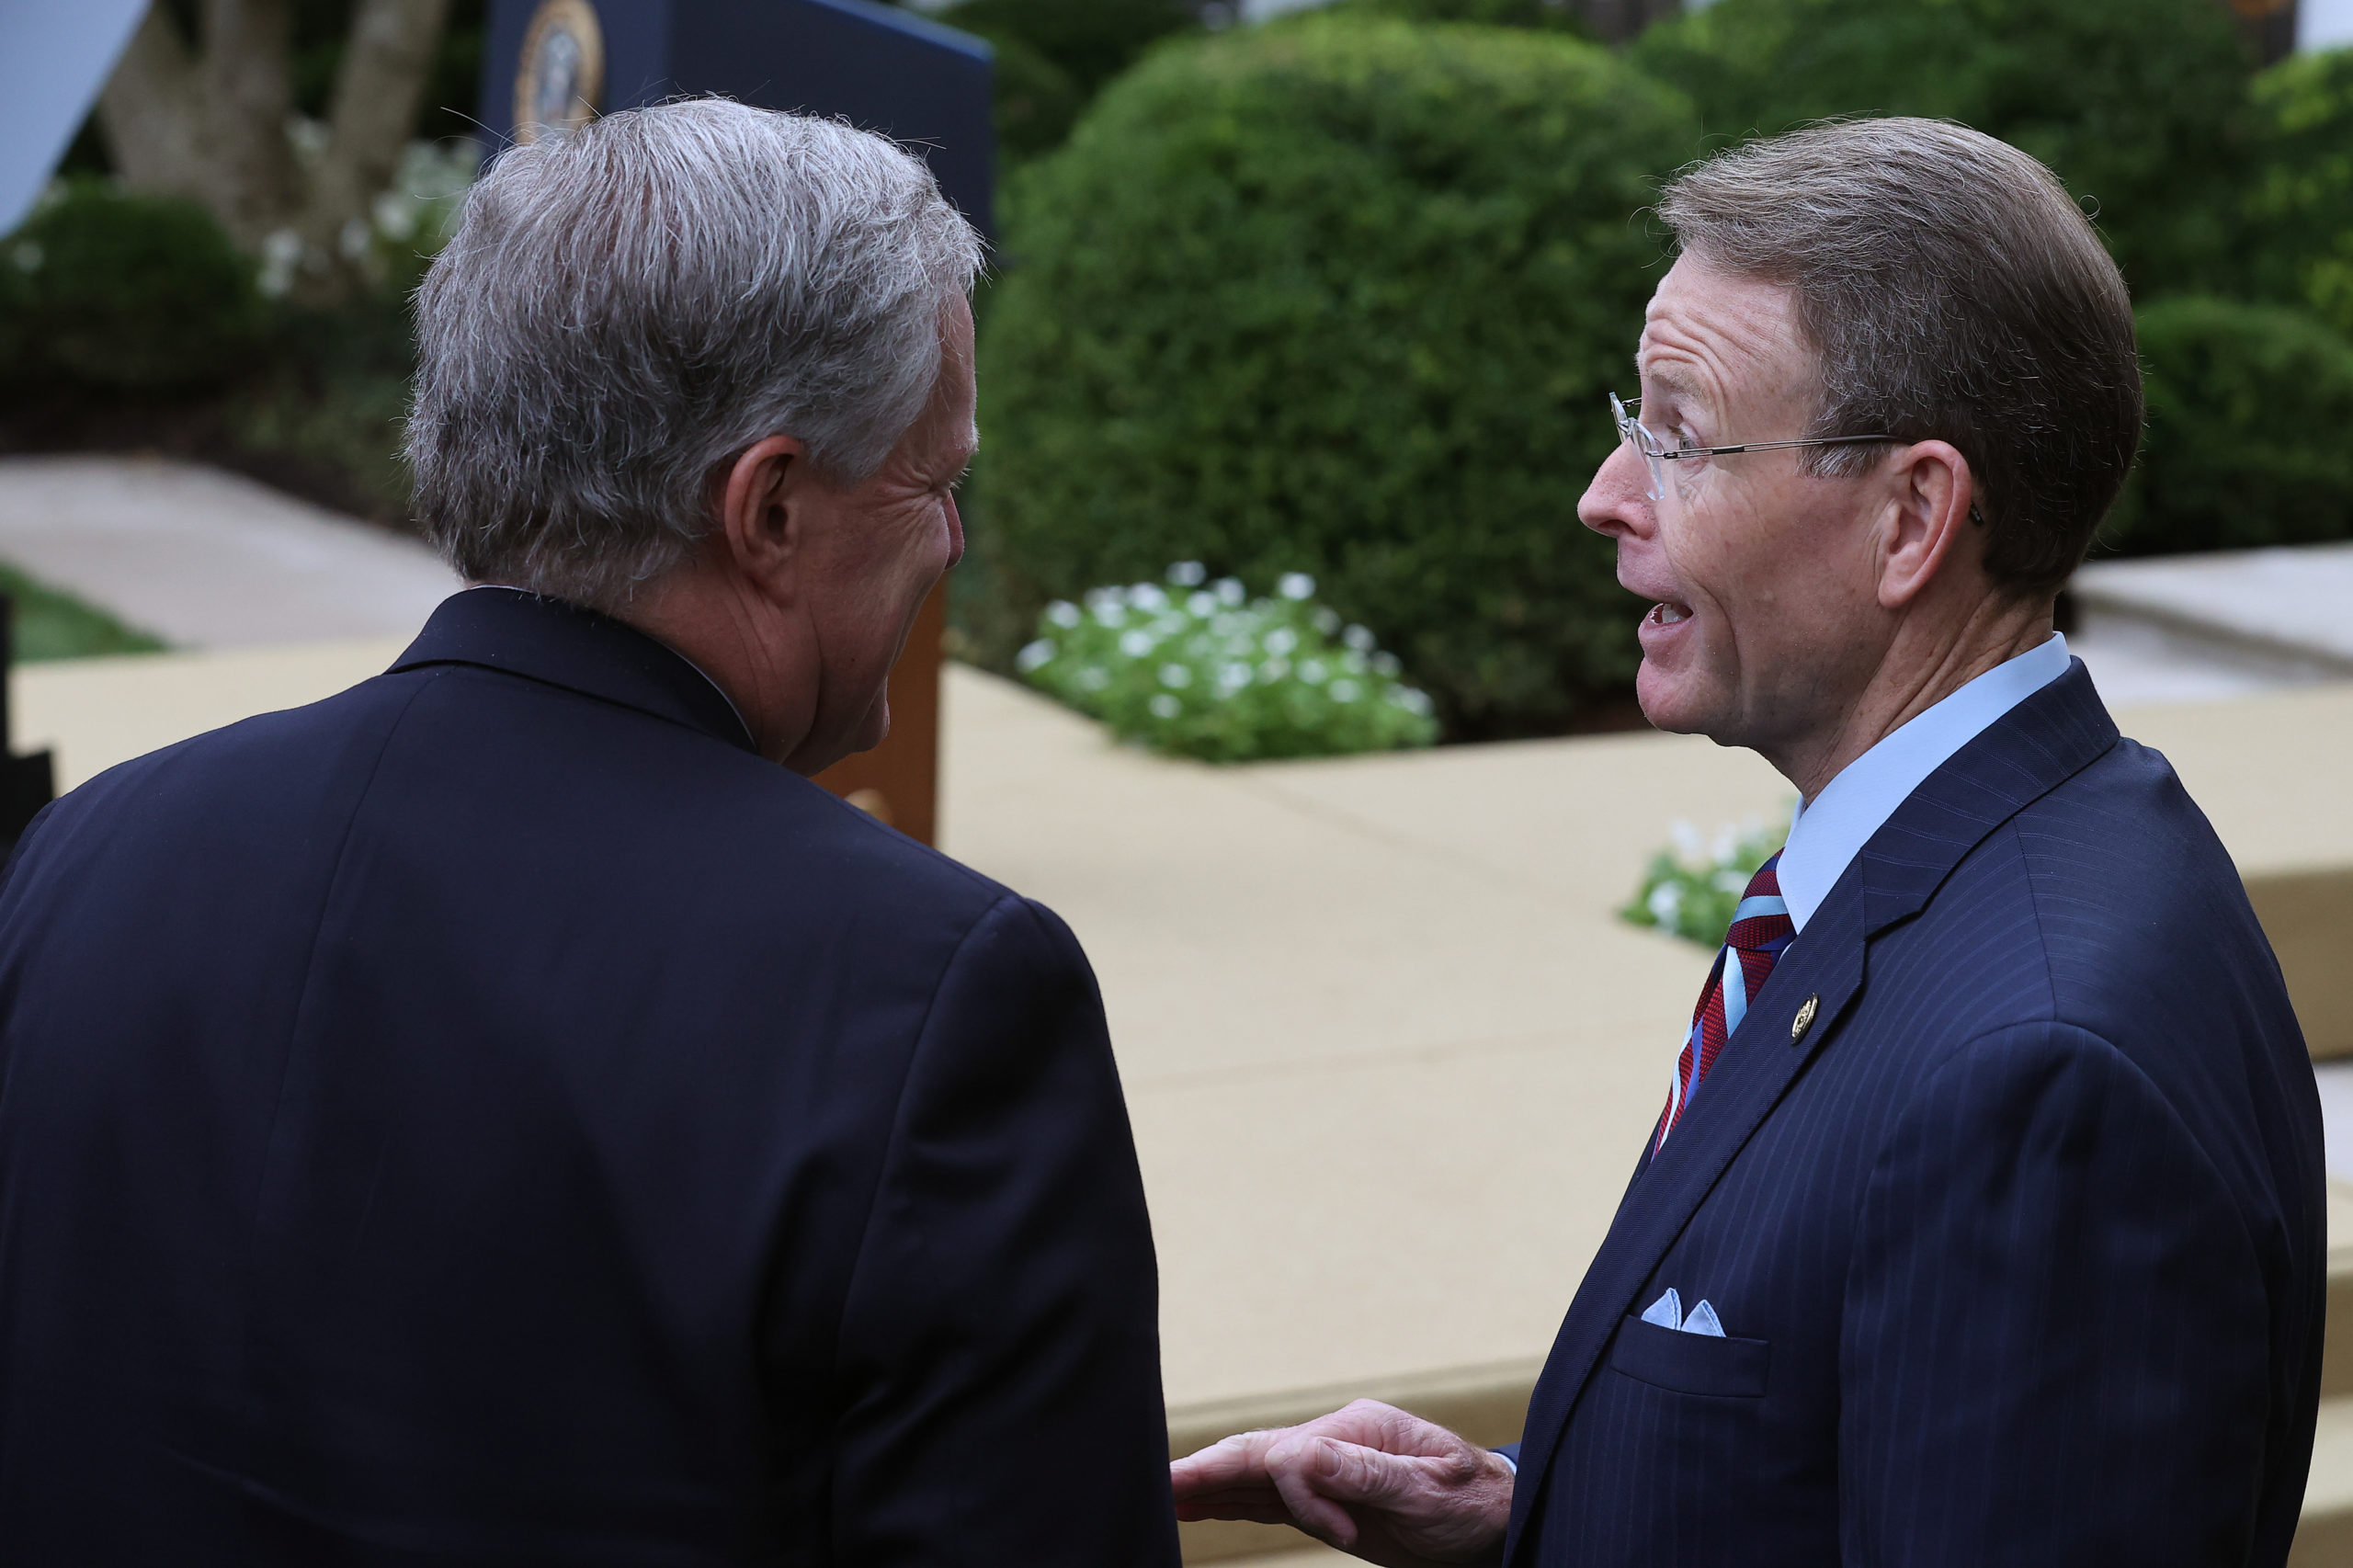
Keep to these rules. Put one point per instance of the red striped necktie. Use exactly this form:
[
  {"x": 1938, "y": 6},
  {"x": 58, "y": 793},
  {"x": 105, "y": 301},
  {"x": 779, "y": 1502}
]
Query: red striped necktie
[{"x": 1760, "y": 929}]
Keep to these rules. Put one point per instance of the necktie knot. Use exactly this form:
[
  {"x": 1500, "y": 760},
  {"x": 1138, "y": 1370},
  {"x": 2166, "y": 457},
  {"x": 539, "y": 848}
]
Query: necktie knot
[
  {"x": 1761, "y": 929},
  {"x": 1762, "y": 919}
]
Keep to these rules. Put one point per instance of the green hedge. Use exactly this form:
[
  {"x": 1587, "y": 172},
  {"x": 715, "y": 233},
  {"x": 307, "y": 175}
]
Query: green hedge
[
  {"x": 1341, "y": 297},
  {"x": 1549, "y": 16},
  {"x": 116, "y": 292},
  {"x": 2250, "y": 407},
  {"x": 2301, "y": 210},
  {"x": 2140, "y": 105},
  {"x": 1053, "y": 56}
]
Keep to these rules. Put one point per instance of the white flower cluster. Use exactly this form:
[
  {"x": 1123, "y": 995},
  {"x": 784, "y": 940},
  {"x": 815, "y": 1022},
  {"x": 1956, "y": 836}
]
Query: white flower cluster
[
  {"x": 1201, "y": 668},
  {"x": 1691, "y": 890},
  {"x": 419, "y": 211}
]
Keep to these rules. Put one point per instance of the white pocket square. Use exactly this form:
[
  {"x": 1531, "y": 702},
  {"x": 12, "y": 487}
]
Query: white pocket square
[{"x": 1667, "y": 1312}]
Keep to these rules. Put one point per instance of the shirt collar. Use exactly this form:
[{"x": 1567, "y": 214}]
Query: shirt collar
[
  {"x": 708, "y": 680},
  {"x": 1825, "y": 837},
  {"x": 564, "y": 644}
]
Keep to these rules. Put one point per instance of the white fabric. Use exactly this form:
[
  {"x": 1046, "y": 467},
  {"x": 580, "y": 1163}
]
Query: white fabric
[
  {"x": 54, "y": 58},
  {"x": 1825, "y": 836},
  {"x": 1667, "y": 1312},
  {"x": 2323, "y": 24}
]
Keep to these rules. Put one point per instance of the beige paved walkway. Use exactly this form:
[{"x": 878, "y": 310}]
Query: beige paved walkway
[
  {"x": 1389, "y": 1051},
  {"x": 204, "y": 559}
]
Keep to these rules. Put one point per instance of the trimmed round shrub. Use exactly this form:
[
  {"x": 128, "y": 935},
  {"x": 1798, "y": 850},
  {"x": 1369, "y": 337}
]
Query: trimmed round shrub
[
  {"x": 121, "y": 292},
  {"x": 2248, "y": 407},
  {"x": 1343, "y": 297},
  {"x": 2301, "y": 205},
  {"x": 2140, "y": 105}
]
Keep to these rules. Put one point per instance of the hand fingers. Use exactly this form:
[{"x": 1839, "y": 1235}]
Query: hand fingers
[
  {"x": 1367, "y": 1453},
  {"x": 1349, "y": 1472},
  {"x": 1371, "y": 1425},
  {"x": 1316, "y": 1514},
  {"x": 1244, "y": 1454},
  {"x": 1238, "y": 1458}
]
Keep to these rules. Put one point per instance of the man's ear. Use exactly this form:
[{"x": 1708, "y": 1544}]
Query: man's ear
[
  {"x": 759, "y": 512},
  {"x": 1931, "y": 494}
]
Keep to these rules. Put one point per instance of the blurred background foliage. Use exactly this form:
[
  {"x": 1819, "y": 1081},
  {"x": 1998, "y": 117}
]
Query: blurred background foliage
[
  {"x": 1546, "y": 15},
  {"x": 2250, "y": 407},
  {"x": 2299, "y": 211},
  {"x": 119, "y": 292},
  {"x": 2140, "y": 105},
  {"x": 1341, "y": 297},
  {"x": 1341, "y": 293},
  {"x": 1054, "y": 56},
  {"x": 129, "y": 321}
]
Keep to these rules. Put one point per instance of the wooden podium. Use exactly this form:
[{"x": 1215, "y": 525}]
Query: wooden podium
[{"x": 898, "y": 781}]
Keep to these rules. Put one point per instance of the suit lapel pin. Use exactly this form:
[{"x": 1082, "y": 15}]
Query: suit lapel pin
[{"x": 1804, "y": 1020}]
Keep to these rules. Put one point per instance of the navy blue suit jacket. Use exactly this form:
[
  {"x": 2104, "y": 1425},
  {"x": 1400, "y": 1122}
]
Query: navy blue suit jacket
[
  {"x": 2018, "y": 1251},
  {"x": 493, "y": 1117}
]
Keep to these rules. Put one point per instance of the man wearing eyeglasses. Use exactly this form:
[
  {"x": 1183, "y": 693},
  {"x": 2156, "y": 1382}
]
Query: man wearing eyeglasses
[{"x": 1983, "y": 1222}]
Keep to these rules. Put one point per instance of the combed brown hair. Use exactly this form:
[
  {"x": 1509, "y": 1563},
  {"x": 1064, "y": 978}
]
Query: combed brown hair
[{"x": 1952, "y": 291}]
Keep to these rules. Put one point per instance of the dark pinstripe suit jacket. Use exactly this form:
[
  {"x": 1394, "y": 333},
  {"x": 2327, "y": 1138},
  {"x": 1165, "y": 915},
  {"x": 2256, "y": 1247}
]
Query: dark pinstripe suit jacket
[{"x": 2018, "y": 1251}]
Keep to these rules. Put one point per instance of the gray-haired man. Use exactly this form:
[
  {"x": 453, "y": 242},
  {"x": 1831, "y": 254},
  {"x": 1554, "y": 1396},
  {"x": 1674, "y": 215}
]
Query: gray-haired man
[
  {"x": 1983, "y": 1222},
  {"x": 498, "y": 1115}
]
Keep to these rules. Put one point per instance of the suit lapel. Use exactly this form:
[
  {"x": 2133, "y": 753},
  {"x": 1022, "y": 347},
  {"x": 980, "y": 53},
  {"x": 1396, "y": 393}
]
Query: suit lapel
[
  {"x": 2046, "y": 739},
  {"x": 1757, "y": 1066}
]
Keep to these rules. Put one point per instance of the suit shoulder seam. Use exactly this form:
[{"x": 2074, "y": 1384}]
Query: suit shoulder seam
[
  {"x": 891, "y": 1144},
  {"x": 318, "y": 932},
  {"x": 2034, "y": 908}
]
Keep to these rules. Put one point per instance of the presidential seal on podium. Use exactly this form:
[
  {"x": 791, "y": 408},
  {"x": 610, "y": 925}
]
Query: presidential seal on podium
[{"x": 559, "y": 81}]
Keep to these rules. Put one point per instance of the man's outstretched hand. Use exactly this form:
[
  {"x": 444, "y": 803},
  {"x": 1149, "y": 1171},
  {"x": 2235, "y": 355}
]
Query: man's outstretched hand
[{"x": 1389, "y": 1487}]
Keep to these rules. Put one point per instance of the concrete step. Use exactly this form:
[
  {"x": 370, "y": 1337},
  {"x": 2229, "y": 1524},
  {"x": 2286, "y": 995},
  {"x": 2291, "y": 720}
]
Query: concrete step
[
  {"x": 2214, "y": 624},
  {"x": 2325, "y": 1538}
]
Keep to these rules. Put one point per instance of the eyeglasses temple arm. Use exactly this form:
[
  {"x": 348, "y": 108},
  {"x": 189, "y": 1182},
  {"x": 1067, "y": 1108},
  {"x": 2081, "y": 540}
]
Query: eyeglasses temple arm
[{"x": 1767, "y": 446}]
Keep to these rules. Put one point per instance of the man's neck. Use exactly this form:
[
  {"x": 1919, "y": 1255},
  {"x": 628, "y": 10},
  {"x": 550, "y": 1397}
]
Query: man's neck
[
  {"x": 1917, "y": 674},
  {"x": 727, "y": 632}
]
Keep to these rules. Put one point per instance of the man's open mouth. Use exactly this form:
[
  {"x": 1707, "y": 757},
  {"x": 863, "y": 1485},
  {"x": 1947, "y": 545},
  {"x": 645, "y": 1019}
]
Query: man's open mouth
[{"x": 1668, "y": 613}]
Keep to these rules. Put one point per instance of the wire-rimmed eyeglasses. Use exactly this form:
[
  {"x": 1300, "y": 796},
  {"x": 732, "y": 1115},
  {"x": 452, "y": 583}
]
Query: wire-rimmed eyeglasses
[{"x": 1657, "y": 454}]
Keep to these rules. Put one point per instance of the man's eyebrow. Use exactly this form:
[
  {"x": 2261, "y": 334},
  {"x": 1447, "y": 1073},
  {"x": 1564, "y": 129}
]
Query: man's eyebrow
[{"x": 1683, "y": 386}]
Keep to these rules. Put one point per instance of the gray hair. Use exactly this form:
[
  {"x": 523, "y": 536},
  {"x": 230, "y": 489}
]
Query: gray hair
[
  {"x": 1952, "y": 289},
  {"x": 626, "y": 307}
]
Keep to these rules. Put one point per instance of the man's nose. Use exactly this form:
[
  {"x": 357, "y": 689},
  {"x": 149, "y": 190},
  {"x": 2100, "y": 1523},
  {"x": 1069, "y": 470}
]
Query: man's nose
[
  {"x": 955, "y": 534},
  {"x": 1618, "y": 501}
]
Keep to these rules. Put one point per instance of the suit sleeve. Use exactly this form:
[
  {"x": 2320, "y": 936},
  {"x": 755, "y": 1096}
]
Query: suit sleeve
[
  {"x": 2056, "y": 1339},
  {"x": 999, "y": 1362}
]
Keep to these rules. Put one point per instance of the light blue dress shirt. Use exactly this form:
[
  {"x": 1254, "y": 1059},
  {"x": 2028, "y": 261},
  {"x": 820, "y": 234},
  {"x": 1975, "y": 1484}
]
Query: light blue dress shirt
[{"x": 1826, "y": 835}]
